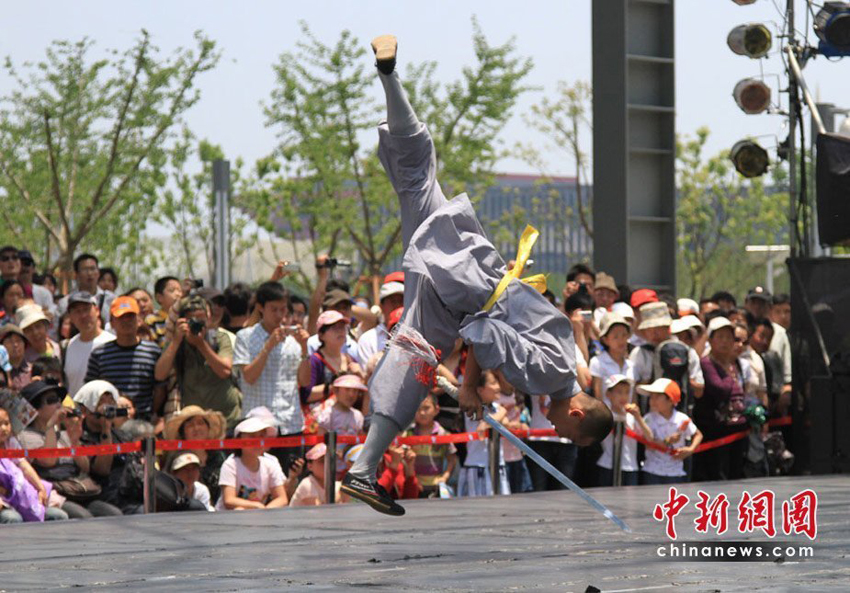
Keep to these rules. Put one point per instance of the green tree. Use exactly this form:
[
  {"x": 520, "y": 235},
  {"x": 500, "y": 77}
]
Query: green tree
[
  {"x": 83, "y": 145},
  {"x": 719, "y": 213},
  {"x": 335, "y": 192}
]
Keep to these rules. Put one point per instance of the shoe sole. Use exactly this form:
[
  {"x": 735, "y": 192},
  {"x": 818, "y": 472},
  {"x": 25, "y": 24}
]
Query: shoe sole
[
  {"x": 372, "y": 502},
  {"x": 385, "y": 47}
]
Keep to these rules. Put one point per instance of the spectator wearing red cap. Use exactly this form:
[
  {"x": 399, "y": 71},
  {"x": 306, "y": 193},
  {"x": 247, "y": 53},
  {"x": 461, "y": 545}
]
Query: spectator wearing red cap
[
  {"x": 374, "y": 340},
  {"x": 670, "y": 428},
  {"x": 129, "y": 362}
]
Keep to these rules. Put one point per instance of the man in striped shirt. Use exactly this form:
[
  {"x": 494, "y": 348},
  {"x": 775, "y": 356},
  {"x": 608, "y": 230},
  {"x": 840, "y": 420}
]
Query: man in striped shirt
[{"x": 129, "y": 362}]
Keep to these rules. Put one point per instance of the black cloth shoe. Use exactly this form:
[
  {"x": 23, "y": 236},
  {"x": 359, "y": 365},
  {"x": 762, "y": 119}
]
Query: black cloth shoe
[
  {"x": 385, "y": 48},
  {"x": 372, "y": 494}
]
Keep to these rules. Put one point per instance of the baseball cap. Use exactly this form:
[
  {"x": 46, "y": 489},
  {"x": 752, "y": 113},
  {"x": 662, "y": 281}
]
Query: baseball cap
[
  {"x": 687, "y": 307},
  {"x": 36, "y": 388},
  {"x": 336, "y": 296},
  {"x": 666, "y": 386},
  {"x": 317, "y": 452},
  {"x": 81, "y": 296},
  {"x": 394, "y": 277},
  {"x": 643, "y": 296},
  {"x": 615, "y": 379},
  {"x": 29, "y": 315},
  {"x": 25, "y": 256},
  {"x": 329, "y": 318},
  {"x": 351, "y": 381},
  {"x": 759, "y": 292},
  {"x": 716, "y": 324},
  {"x": 255, "y": 424},
  {"x": 391, "y": 288},
  {"x": 183, "y": 460},
  {"x": 603, "y": 280},
  {"x": 623, "y": 309},
  {"x": 654, "y": 314},
  {"x": 124, "y": 305},
  {"x": 609, "y": 320}
]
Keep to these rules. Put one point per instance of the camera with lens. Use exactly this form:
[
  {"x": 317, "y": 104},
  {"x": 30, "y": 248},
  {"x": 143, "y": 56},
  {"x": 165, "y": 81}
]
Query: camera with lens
[
  {"x": 112, "y": 412},
  {"x": 333, "y": 262},
  {"x": 73, "y": 413},
  {"x": 196, "y": 326}
]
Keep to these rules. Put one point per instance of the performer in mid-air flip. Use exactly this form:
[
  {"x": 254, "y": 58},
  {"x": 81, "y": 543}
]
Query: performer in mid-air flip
[{"x": 456, "y": 284}]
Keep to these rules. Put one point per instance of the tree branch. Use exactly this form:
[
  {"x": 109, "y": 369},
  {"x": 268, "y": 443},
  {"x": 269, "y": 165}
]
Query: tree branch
[{"x": 54, "y": 174}]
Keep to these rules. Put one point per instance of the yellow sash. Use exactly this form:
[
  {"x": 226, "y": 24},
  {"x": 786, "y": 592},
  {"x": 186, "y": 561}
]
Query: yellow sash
[{"x": 538, "y": 281}]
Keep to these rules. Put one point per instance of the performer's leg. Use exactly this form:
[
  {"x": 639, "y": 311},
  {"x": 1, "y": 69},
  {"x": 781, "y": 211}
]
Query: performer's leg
[
  {"x": 401, "y": 119},
  {"x": 382, "y": 431}
]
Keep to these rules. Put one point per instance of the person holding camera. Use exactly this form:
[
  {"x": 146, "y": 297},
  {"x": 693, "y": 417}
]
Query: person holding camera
[
  {"x": 202, "y": 359},
  {"x": 69, "y": 475}
]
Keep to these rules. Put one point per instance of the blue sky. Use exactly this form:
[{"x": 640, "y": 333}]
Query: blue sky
[{"x": 555, "y": 34}]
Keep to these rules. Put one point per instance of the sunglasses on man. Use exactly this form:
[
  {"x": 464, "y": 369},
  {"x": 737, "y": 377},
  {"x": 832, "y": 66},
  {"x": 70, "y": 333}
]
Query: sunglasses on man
[{"x": 9, "y": 257}]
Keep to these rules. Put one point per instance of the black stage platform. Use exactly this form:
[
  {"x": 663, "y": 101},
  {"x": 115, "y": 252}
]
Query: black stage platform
[{"x": 539, "y": 542}]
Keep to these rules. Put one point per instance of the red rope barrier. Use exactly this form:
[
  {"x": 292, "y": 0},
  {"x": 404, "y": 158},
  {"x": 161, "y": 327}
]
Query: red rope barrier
[{"x": 310, "y": 440}]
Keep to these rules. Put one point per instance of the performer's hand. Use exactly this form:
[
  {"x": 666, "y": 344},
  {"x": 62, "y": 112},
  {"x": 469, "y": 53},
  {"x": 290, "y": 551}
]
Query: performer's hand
[{"x": 470, "y": 403}]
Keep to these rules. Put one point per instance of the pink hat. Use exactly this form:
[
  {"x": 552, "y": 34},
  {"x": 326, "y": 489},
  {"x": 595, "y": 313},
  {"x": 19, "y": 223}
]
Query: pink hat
[
  {"x": 351, "y": 381},
  {"x": 329, "y": 318},
  {"x": 317, "y": 452}
]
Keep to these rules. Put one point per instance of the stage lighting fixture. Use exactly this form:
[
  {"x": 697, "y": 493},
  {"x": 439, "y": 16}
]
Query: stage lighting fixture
[
  {"x": 750, "y": 39},
  {"x": 832, "y": 26},
  {"x": 750, "y": 159},
  {"x": 752, "y": 95}
]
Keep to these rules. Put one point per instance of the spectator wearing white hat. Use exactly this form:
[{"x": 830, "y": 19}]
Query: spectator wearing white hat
[
  {"x": 250, "y": 478},
  {"x": 187, "y": 468},
  {"x": 618, "y": 395},
  {"x": 614, "y": 333},
  {"x": 374, "y": 340},
  {"x": 35, "y": 325}
]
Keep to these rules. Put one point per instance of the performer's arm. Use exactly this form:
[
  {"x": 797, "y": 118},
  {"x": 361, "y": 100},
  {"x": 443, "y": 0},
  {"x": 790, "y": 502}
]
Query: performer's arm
[{"x": 468, "y": 398}]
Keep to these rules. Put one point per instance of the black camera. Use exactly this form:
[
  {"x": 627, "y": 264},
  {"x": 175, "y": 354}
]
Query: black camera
[
  {"x": 196, "y": 326},
  {"x": 333, "y": 262},
  {"x": 73, "y": 412},
  {"x": 112, "y": 412}
]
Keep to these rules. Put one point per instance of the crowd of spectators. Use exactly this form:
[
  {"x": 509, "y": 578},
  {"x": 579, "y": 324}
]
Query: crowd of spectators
[{"x": 105, "y": 364}]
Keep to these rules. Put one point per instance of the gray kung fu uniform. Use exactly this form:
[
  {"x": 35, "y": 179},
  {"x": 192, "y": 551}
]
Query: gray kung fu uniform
[{"x": 451, "y": 269}]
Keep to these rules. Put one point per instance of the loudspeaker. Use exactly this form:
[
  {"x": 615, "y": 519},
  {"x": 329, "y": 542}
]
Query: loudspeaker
[{"x": 833, "y": 188}]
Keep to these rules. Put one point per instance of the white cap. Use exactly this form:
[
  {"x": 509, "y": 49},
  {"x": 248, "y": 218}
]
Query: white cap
[
  {"x": 609, "y": 320},
  {"x": 685, "y": 323},
  {"x": 686, "y": 306},
  {"x": 624, "y": 310},
  {"x": 254, "y": 425},
  {"x": 184, "y": 460},
  {"x": 615, "y": 379},
  {"x": 391, "y": 288},
  {"x": 28, "y": 315},
  {"x": 716, "y": 324}
]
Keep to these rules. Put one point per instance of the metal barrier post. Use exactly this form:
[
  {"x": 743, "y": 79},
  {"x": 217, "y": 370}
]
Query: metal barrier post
[
  {"x": 619, "y": 433},
  {"x": 149, "y": 452},
  {"x": 330, "y": 468},
  {"x": 495, "y": 445}
]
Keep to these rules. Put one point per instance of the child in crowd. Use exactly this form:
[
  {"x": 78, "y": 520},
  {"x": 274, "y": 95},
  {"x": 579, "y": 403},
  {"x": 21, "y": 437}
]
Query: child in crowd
[
  {"x": 23, "y": 496},
  {"x": 669, "y": 428},
  {"x": 434, "y": 463},
  {"x": 475, "y": 473},
  {"x": 397, "y": 473},
  {"x": 342, "y": 417},
  {"x": 618, "y": 393},
  {"x": 251, "y": 479},
  {"x": 311, "y": 490},
  {"x": 187, "y": 469},
  {"x": 614, "y": 334},
  {"x": 518, "y": 418},
  {"x": 167, "y": 291}
]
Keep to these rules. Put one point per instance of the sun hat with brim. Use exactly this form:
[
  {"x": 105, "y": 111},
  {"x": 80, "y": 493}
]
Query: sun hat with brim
[
  {"x": 317, "y": 452},
  {"x": 89, "y": 394},
  {"x": 603, "y": 280},
  {"x": 615, "y": 379},
  {"x": 183, "y": 460},
  {"x": 718, "y": 323},
  {"x": 609, "y": 320},
  {"x": 215, "y": 420},
  {"x": 36, "y": 388},
  {"x": 623, "y": 309},
  {"x": 665, "y": 386},
  {"x": 29, "y": 315},
  {"x": 685, "y": 323},
  {"x": 251, "y": 425},
  {"x": 350, "y": 381},
  {"x": 654, "y": 315},
  {"x": 643, "y": 296},
  {"x": 391, "y": 288},
  {"x": 10, "y": 329},
  {"x": 328, "y": 318},
  {"x": 687, "y": 307}
]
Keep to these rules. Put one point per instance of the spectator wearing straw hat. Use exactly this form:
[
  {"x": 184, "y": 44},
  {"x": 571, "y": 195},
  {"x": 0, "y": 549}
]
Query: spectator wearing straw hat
[
  {"x": 35, "y": 325},
  {"x": 186, "y": 467},
  {"x": 605, "y": 293},
  {"x": 15, "y": 343},
  {"x": 654, "y": 326},
  {"x": 194, "y": 423},
  {"x": 251, "y": 479},
  {"x": 202, "y": 360}
]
